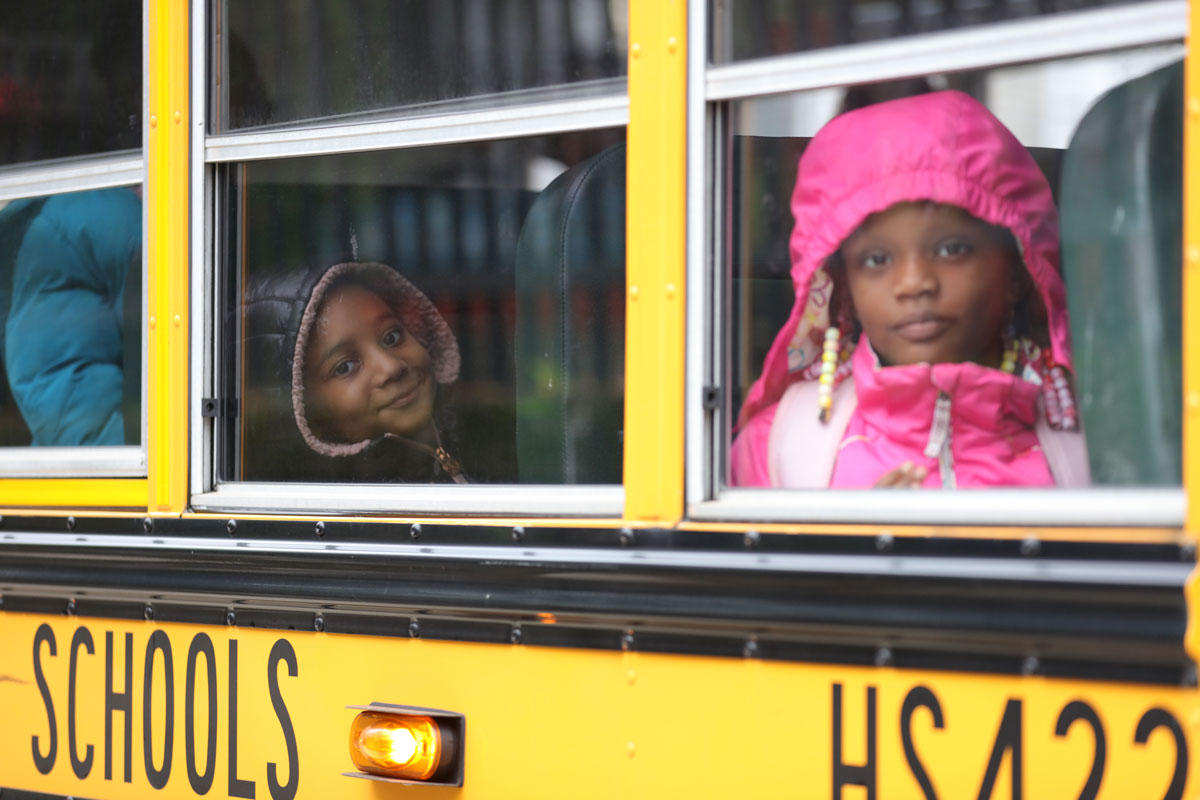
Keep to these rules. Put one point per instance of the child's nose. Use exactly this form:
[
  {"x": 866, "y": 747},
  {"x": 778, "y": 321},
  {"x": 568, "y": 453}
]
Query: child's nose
[
  {"x": 388, "y": 365},
  {"x": 915, "y": 275}
]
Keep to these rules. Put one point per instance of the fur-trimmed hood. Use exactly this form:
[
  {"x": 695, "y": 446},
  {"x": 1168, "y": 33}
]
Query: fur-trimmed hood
[
  {"x": 280, "y": 310},
  {"x": 419, "y": 317}
]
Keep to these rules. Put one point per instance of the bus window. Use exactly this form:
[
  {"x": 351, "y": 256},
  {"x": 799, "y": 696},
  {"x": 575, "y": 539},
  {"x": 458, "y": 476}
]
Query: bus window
[
  {"x": 370, "y": 55},
  {"x": 856, "y": 381},
  {"x": 745, "y": 29},
  {"x": 443, "y": 314},
  {"x": 70, "y": 79},
  {"x": 71, "y": 269}
]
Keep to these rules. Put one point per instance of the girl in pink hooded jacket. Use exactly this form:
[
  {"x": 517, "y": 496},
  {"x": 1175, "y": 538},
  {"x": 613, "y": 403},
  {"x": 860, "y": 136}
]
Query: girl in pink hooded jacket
[{"x": 928, "y": 344}]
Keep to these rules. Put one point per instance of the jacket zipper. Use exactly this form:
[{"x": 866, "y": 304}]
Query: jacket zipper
[{"x": 939, "y": 440}]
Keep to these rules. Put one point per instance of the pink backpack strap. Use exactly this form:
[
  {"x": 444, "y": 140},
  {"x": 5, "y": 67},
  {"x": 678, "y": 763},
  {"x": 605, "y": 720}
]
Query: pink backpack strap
[
  {"x": 1066, "y": 454},
  {"x": 801, "y": 451}
]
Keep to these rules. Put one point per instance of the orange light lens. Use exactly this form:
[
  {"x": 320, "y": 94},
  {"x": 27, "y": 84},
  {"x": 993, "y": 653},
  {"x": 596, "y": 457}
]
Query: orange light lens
[{"x": 396, "y": 745}]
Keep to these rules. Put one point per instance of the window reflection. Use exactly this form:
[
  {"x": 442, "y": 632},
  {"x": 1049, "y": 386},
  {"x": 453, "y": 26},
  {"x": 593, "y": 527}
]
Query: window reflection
[
  {"x": 70, "y": 78},
  {"x": 347, "y": 56},
  {"x": 755, "y": 28}
]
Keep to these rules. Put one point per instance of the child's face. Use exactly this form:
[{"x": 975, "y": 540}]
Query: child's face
[
  {"x": 364, "y": 375},
  {"x": 930, "y": 283}
]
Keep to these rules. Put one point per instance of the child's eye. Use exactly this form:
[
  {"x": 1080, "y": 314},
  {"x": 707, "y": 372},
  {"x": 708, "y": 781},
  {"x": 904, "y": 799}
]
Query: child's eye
[
  {"x": 952, "y": 249},
  {"x": 393, "y": 337},
  {"x": 343, "y": 368},
  {"x": 873, "y": 260}
]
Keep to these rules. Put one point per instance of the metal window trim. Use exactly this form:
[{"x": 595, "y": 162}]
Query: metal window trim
[
  {"x": 1085, "y": 572},
  {"x": 492, "y": 500},
  {"x": 127, "y": 461},
  {"x": 72, "y": 175},
  {"x": 534, "y": 119},
  {"x": 697, "y": 368},
  {"x": 201, "y": 314},
  {"x": 1055, "y": 36},
  {"x": 1107, "y": 507},
  {"x": 144, "y": 179}
]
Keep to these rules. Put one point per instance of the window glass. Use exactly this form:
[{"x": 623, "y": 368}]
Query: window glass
[
  {"x": 70, "y": 78},
  {"x": 755, "y": 28},
  {"x": 338, "y": 57},
  {"x": 946, "y": 256},
  {"x": 406, "y": 316},
  {"x": 70, "y": 319}
]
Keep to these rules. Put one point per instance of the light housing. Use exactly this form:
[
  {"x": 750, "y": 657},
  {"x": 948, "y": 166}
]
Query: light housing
[{"x": 407, "y": 744}]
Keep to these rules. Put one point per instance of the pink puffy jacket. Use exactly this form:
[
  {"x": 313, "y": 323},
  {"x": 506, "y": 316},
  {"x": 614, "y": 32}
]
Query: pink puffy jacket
[{"x": 944, "y": 148}]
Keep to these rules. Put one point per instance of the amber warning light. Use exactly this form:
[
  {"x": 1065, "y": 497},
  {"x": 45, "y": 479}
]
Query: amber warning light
[{"x": 407, "y": 744}]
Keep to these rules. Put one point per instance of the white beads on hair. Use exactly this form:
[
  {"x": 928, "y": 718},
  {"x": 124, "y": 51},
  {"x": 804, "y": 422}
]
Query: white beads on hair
[{"x": 829, "y": 365}]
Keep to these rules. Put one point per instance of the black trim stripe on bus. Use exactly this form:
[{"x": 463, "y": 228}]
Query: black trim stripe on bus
[{"x": 1066, "y": 609}]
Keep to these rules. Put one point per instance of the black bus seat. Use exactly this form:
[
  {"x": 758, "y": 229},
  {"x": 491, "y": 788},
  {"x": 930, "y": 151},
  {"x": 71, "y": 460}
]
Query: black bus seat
[
  {"x": 570, "y": 326},
  {"x": 1122, "y": 239}
]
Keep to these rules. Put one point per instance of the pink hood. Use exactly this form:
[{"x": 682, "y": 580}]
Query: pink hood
[{"x": 944, "y": 148}]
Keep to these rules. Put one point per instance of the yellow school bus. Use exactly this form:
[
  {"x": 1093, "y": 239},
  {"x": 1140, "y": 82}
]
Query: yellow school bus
[{"x": 593, "y": 196}]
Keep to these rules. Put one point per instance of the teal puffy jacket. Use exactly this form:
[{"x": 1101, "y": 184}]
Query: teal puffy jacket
[{"x": 64, "y": 348}]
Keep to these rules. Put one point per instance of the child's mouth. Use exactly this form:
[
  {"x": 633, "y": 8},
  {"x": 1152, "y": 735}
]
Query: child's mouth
[
  {"x": 404, "y": 398},
  {"x": 921, "y": 327}
]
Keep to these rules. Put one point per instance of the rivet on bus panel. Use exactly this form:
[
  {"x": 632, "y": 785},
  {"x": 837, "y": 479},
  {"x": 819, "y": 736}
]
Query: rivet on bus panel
[
  {"x": 672, "y": 44},
  {"x": 153, "y": 322},
  {"x": 670, "y": 290},
  {"x": 635, "y": 50},
  {"x": 631, "y": 749},
  {"x": 1193, "y": 401},
  {"x": 633, "y": 293},
  {"x": 1194, "y": 106},
  {"x": 178, "y": 117},
  {"x": 178, "y": 319},
  {"x": 407, "y": 745},
  {"x": 153, "y": 120}
]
